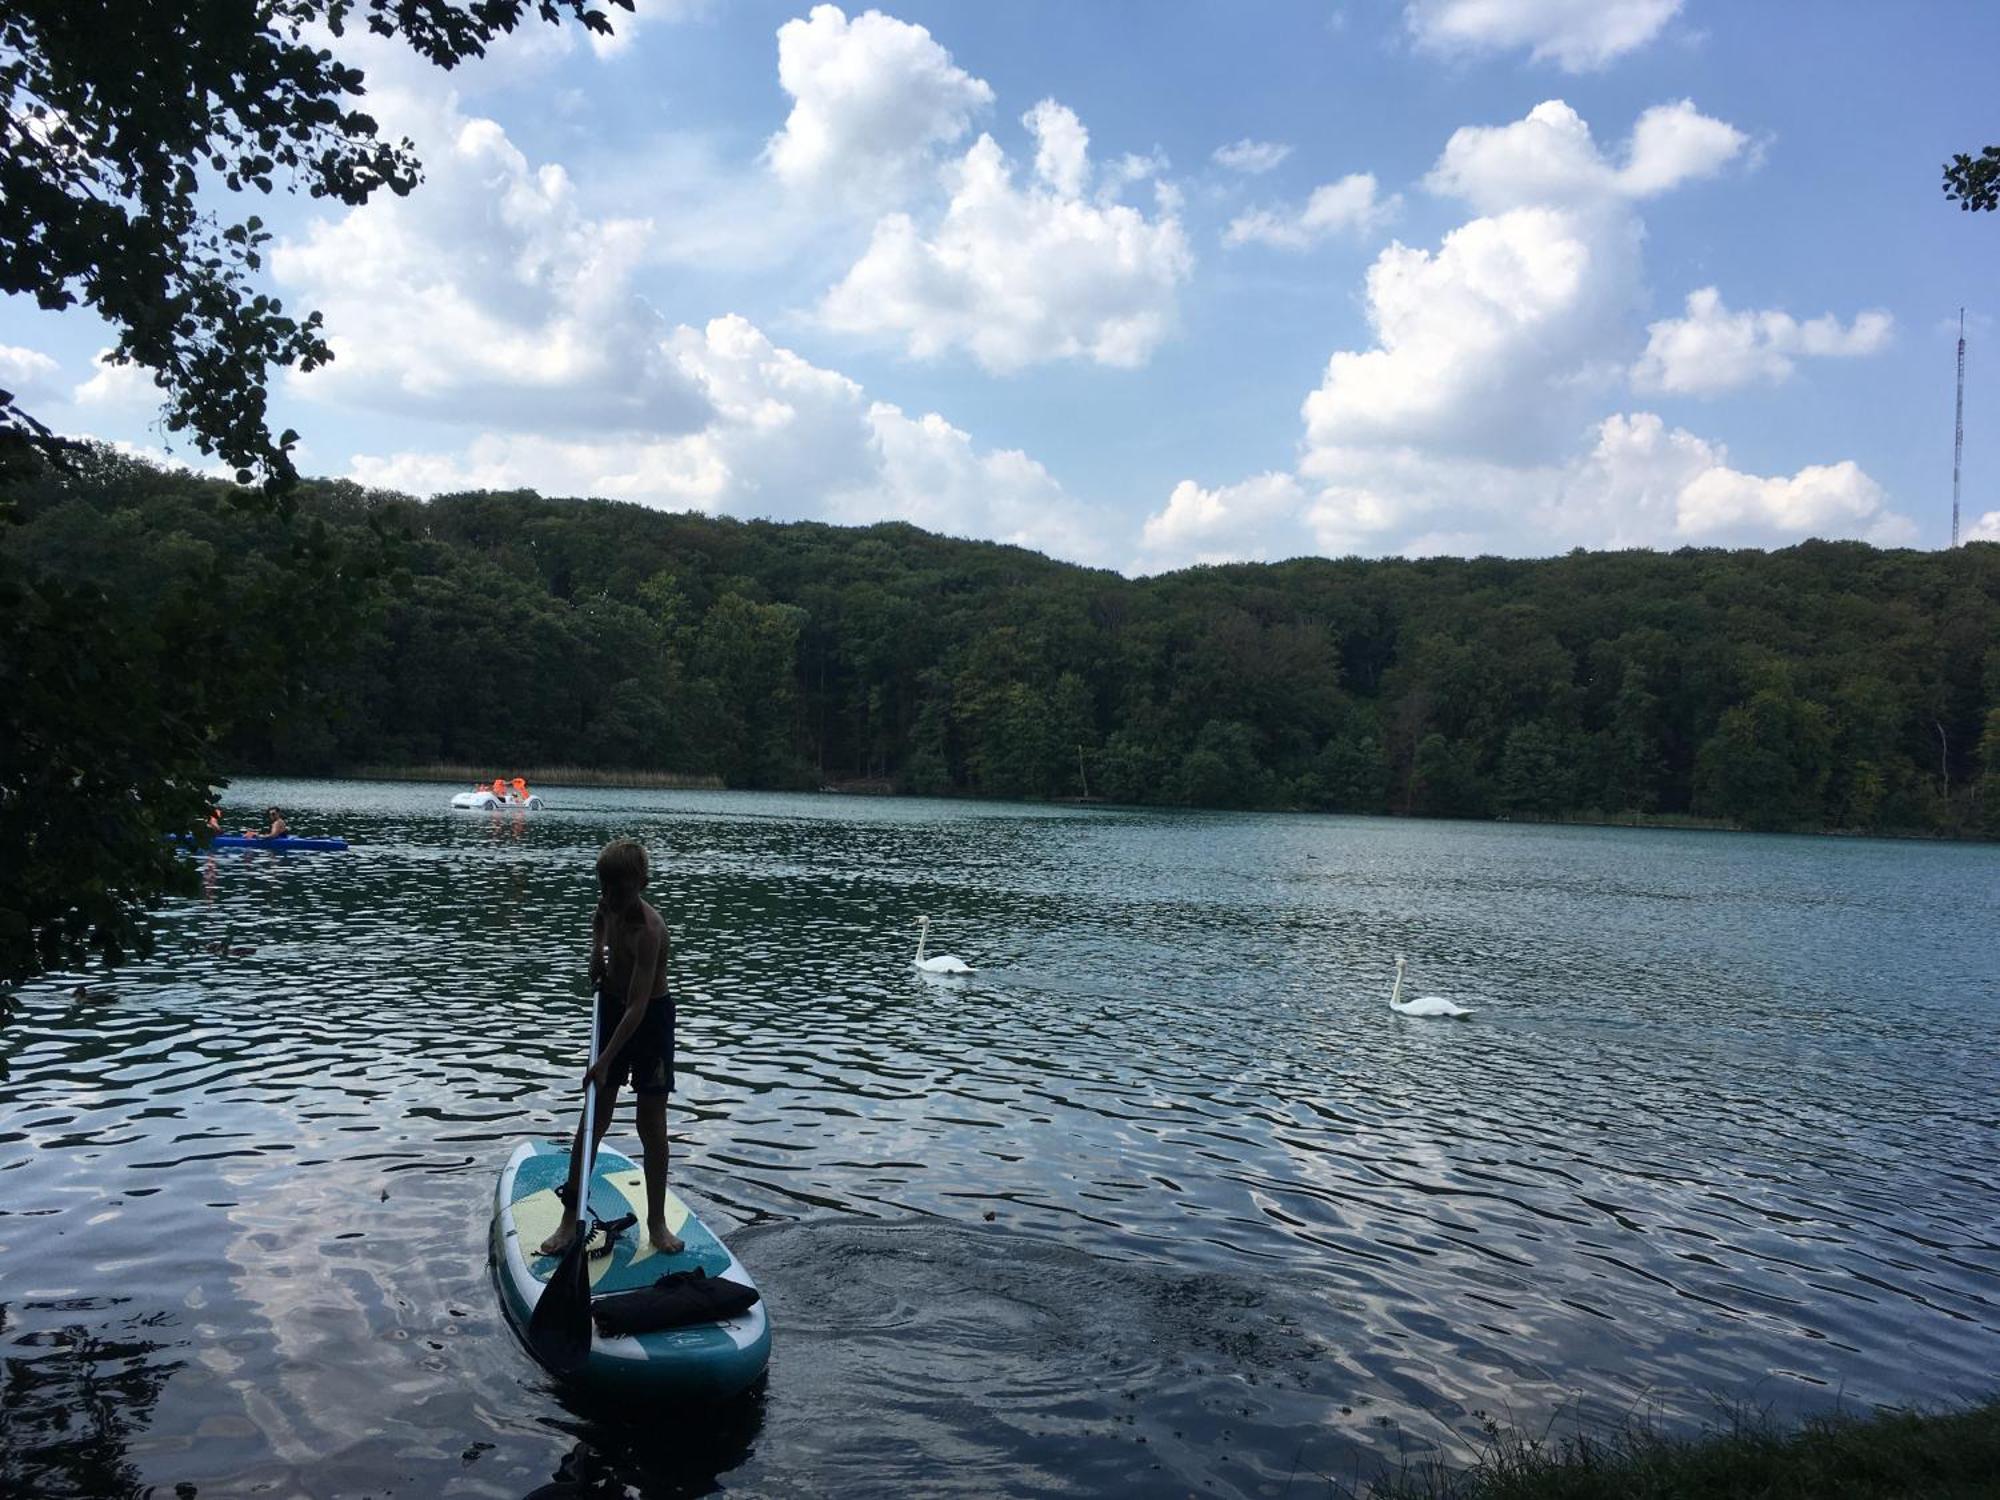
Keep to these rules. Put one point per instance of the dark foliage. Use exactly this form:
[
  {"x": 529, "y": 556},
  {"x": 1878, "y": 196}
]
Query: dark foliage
[
  {"x": 1974, "y": 182},
  {"x": 148, "y": 623},
  {"x": 119, "y": 121},
  {"x": 116, "y": 114}
]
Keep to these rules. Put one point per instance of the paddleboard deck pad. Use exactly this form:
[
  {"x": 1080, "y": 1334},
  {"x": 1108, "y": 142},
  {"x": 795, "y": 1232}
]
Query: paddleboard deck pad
[{"x": 704, "y": 1361}]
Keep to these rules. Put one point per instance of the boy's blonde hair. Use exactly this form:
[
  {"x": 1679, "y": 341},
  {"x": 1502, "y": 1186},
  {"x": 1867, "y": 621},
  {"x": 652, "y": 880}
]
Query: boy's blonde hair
[{"x": 621, "y": 868}]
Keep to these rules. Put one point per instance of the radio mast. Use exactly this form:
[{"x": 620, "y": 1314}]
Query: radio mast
[{"x": 1958, "y": 428}]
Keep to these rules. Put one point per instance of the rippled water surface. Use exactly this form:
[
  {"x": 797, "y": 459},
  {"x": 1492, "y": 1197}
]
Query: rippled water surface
[{"x": 1163, "y": 1199}]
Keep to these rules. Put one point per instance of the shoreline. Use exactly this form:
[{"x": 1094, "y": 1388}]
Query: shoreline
[{"x": 442, "y": 772}]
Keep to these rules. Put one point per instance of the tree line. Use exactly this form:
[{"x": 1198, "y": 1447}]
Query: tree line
[{"x": 1831, "y": 685}]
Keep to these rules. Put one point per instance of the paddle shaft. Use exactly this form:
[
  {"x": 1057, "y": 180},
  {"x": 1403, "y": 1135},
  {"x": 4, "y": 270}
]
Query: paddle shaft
[
  {"x": 581, "y": 1199},
  {"x": 559, "y": 1328}
]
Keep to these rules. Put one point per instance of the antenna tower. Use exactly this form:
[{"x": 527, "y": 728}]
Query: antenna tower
[{"x": 1958, "y": 428}]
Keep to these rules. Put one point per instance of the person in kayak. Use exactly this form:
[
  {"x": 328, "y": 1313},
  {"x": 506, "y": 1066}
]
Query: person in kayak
[
  {"x": 278, "y": 829},
  {"x": 629, "y": 955}
]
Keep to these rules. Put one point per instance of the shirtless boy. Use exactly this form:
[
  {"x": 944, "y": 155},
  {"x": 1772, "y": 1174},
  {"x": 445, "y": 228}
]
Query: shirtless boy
[
  {"x": 278, "y": 829},
  {"x": 629, "y": 950}
]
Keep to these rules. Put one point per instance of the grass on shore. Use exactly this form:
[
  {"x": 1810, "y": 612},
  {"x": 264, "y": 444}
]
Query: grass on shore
[
  {"x": 539, "y": 776},
  {"x": 1890, "y": 1455}
]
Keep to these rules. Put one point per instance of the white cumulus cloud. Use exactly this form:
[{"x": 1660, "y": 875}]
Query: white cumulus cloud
[
  {"x": 928, "y": 472},
  {"x": 1474, "y": 421},
  {"x": 1257, "y": 520},
  {"x": 1352, "y": 205},
  {"x": 28, "y": 374},
  {"x": 1713, "y": 349},
  {"x": 1491, "y": 345},
  {"x": 525, "y": 55},
  {"x": 1638, "y": 483},
  {"x": 116, "y": 385},
  {"x": 1550, "y": 158},
  {"x": 1251, "y": 158},
  {"x": 1419, "y": 501},
  {"x": 1495, "y": 344},
  {"x": 872, "y": 98},
  {"x": 495, "y": 299},
  {"x": 627, "y": 24},
  {"x": 1021, "y": 273},
  {"x": 1645, "y": 484},
  {"x": 1576, "y": 35},
  {"x": 784, "y": 439},
  {"x": 488, "y": 293}
]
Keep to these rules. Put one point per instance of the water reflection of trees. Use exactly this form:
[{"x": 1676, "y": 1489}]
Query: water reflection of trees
[
  {"x": 72, "y": 1397},
  {"x": 620, "y": 1452}
]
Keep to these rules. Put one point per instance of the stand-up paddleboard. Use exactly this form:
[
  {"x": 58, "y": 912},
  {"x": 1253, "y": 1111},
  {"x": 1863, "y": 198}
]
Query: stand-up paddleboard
[{"x": 707, "y": 1360}]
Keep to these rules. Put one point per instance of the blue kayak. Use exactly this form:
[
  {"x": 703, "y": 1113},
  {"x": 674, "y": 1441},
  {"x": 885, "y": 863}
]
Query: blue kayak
[{"x": 289, "y": 844}]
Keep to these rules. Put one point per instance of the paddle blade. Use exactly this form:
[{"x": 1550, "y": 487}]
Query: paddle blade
[{"x": 559, "y": 1329}]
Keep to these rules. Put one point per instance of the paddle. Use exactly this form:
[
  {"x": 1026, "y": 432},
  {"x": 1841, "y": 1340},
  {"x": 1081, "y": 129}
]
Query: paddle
[{"x": 559, "y": 1330}]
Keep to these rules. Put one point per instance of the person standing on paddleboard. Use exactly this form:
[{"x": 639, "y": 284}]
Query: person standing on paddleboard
[{"x": 629, "y": 953}]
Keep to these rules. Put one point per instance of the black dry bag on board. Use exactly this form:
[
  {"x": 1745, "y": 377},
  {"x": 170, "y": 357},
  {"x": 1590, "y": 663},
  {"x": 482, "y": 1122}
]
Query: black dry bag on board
[{"x": 677, "y": 1300}]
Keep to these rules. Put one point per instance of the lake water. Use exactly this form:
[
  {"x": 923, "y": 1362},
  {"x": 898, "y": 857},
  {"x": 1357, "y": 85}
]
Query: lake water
[{"x": 1163, "y": 1200}]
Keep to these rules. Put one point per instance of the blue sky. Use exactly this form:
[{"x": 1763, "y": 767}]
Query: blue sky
[{"x": 1143, "y": 286}]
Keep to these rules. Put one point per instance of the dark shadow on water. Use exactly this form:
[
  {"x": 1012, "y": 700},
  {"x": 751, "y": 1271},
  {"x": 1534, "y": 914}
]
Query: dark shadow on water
[
  {"x": 73, "y": 1395},
  {"x": 927, "y": 1357},
  {"x": 922, "y": 1356},
  {"x": 622, "y": 1450}
]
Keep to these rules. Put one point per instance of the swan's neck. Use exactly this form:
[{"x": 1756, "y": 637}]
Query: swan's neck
[
  {"x": 1396, "y": 994},
  {"x": 923, "y": 937}
]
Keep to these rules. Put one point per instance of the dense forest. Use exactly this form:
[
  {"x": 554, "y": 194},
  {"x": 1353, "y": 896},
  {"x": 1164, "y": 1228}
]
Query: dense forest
[{"x": 1829, "y": 685}]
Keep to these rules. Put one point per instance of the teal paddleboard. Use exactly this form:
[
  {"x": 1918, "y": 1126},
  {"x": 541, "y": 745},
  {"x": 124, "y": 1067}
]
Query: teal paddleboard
[{"x": 706, "y": 1361}]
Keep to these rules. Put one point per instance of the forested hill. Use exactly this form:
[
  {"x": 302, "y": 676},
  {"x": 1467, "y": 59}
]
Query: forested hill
[{"x": 1827, "y": 685}]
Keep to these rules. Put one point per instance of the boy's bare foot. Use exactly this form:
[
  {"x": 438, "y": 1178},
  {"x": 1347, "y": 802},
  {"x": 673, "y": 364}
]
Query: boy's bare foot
[
  {"x": 664, "y": 1240},
  {"x": 558, "y": 1242}
]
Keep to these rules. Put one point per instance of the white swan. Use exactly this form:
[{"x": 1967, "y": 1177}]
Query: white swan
[
  {"x": 944, "y": 963},
  {"x": 1423, "y": 1005}
]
